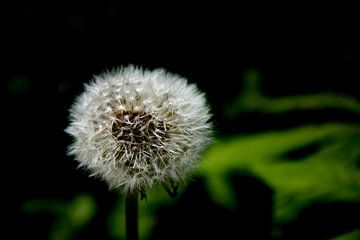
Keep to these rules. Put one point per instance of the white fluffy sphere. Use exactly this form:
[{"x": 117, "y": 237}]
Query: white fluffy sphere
[{"x": 134, "y": 128}]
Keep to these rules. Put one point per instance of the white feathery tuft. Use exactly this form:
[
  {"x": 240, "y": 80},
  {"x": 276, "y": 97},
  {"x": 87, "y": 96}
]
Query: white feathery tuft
[{"x": 134, "y": 128}]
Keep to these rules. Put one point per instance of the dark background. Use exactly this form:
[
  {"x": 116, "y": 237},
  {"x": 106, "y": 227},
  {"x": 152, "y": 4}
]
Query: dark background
[{"x": 46, "y": 60}]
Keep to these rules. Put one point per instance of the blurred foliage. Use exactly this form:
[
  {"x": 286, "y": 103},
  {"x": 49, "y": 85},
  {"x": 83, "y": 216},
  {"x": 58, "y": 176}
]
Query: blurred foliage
[
  {"x": 70, "y": 217},
  {"x": 354, "y": 235},
  {"x": 18, "y": 84},
  {"x": 327, "y": 172},
  {"x": 251, "y": 99},
  {"x": 303, "y": 166}
]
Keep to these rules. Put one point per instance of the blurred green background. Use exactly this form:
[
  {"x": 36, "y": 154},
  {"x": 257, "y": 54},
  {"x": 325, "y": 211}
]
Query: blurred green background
[{"x": 285, "y": 159}]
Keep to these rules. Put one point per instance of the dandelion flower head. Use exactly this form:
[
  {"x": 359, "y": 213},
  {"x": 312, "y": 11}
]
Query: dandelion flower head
[{"x": 135, "y": 128}]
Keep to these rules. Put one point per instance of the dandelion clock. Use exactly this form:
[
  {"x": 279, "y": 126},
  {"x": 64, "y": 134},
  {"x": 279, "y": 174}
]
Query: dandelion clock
[{"x": 135, "y": 128}]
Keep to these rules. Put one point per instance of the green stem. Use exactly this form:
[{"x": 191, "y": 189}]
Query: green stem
[{"x": 131, "y": 213}]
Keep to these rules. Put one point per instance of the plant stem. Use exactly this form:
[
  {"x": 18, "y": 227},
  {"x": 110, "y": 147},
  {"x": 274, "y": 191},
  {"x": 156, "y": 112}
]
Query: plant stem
[{"x": 131, "y": 213}]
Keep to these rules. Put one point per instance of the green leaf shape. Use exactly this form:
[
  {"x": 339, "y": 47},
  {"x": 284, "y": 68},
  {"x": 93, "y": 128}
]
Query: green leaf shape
[
  {"x": 329, "y": 174},
  {"x": 251, "y": 99}
]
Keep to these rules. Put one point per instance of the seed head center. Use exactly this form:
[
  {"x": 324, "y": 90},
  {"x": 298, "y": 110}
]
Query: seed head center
[{"x": 138, "y": 127}]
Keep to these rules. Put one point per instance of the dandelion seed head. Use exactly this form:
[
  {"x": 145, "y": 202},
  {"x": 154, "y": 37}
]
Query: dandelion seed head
[{"x": 135, "y": 128}]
